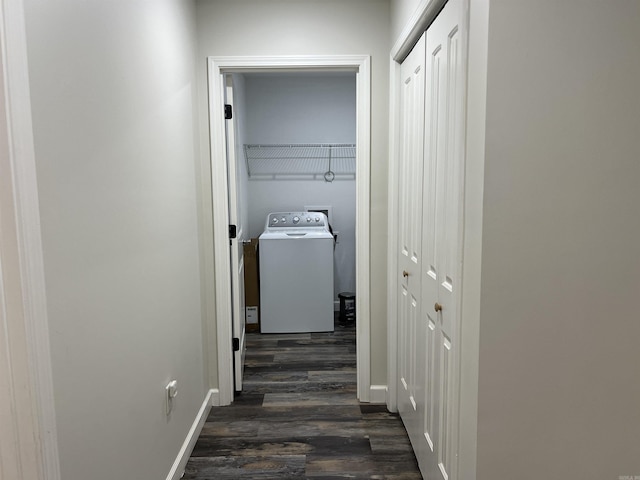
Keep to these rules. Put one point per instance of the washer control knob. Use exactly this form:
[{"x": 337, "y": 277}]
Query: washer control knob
[
  {"x": 308, "y": 219},
  {"x": 296, "y": 219},
  {"x": 317, "y": 219},
  {"x": 274, "y": 220},
  {"x": 283, "y": 220}
]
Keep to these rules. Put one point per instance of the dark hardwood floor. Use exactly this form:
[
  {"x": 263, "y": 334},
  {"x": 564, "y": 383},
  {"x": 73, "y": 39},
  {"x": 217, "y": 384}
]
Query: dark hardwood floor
[{"x": 298, "y": 417}]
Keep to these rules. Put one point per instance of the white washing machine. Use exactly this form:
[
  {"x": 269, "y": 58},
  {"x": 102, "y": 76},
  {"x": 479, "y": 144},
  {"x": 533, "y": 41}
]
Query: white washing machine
[{"x": 296, "y": 273}]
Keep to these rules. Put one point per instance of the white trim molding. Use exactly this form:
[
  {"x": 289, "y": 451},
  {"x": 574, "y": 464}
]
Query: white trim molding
[
  {"x": 28, "y": 443},
  {"x": 478, "y": 45},
  {"x": 177, "y": 469},
  {"x": 215, "y": 397},
  {"x": 222, "y": 267},
  {"x": 378, "y": 394},
  {"x": 392, "y": 238},
  {"x": 217, "y": 67}
]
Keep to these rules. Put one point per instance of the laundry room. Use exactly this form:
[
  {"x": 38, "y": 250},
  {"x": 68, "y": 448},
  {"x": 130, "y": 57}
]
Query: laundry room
[{"x": 295, "y": 136}]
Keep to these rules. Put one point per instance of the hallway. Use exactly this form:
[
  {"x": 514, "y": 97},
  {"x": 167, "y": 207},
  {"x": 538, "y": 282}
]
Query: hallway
[{"x": 298, "y": 417}]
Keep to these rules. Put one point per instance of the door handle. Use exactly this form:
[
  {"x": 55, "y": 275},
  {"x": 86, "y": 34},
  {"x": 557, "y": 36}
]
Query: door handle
[
  {"x": 437, "y": 307},
  {"x": 405, "y": 274}
]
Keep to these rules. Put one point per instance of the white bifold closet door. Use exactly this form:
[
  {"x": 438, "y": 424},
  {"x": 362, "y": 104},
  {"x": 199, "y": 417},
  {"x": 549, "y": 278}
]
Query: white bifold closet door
[
  {"x": 429, "y": 295},
  {"x": 411, "y": 328}
]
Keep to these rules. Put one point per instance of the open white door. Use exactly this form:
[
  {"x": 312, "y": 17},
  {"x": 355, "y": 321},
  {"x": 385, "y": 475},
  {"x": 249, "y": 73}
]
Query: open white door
[{"x": 236, "y": 243}]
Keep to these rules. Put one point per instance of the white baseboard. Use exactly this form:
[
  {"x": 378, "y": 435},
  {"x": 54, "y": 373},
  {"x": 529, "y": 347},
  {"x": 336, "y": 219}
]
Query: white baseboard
[
  {"x": 180, "y": 463},
  {"x": 378, "y": 394},
  {"x": 215, "y": 397}
]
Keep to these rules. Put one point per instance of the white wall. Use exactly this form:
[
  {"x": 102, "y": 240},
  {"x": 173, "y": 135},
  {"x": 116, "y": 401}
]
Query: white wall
[
  {"x": 305, "y": 108},
  {"x": 559, "y": 378},
  {"x": 401, "y": 12},
  {"x": 316, "y": 27},
  {"x": 113, "y": 108},
  {"x": 301, "y": 108}
]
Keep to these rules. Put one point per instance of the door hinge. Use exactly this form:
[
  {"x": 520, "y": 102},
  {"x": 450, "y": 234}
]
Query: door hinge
[
  {"x": 233, "y": 231},
  {"x": 228, "y": 112},
  {"x": 236, "y": 344}
]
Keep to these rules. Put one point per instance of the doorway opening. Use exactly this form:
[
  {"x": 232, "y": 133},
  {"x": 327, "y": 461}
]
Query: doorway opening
[{"x": 265, "y": 70}]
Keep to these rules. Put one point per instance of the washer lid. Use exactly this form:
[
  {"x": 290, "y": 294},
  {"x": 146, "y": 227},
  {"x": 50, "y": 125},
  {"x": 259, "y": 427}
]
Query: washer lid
[{"x": 294, "y": 234}]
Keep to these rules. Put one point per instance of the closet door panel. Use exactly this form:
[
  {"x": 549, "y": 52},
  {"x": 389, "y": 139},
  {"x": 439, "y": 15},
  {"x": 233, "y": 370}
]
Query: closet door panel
[
  {"x": 449, "y": 282},
  {"x": 411, "y": 336},
  {"x": 433, "y": 147},
  {"x": 444, "y": 147}
]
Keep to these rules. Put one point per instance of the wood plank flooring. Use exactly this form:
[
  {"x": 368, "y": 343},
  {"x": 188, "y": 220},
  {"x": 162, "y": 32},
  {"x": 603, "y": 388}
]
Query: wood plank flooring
[{"x": 298, "y": 417}]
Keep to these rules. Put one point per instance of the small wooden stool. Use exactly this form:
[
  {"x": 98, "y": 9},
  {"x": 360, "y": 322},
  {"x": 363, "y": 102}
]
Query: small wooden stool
[{"x": 347, "y": 307}]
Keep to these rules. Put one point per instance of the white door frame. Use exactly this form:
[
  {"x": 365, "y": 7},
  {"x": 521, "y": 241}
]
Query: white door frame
[
  {"x": 217, "y": 67},
  {"x": 28, "y": 442}
]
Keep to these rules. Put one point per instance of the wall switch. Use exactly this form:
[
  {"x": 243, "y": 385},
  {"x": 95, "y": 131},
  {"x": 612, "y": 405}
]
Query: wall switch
[{"x": 171, "y": 391}]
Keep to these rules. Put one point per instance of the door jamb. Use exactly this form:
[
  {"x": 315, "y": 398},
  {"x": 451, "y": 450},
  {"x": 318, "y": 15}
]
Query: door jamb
[
  {"x": 217, "y": 67},
  {"x": 28, "y": 446}
]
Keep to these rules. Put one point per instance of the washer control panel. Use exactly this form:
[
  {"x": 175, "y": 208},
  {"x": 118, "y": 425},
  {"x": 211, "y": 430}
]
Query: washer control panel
[{"x": 297, "y": 220}]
